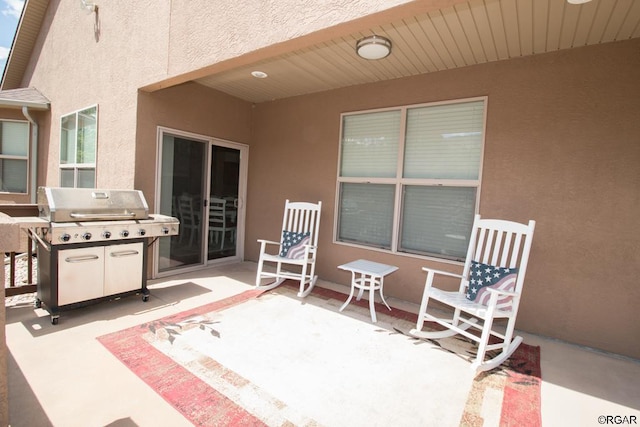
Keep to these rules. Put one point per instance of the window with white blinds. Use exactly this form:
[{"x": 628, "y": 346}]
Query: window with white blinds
[
  {"x": 14, "y": 156},
  {"x": 409, "y": 177}
]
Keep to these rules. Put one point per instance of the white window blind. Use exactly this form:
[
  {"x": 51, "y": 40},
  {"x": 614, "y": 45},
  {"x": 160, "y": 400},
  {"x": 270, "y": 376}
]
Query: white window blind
[
  {"x": 432, "y": 197},
  {"x": 366, "y": 214},
  {"x": 86, "y": 178},
  {"x": 14, "y": 156},
  {"x": 14, "y": 140},
  {"x": 437, "y": 220},
  {"x": 13, "y": 176},
  {"x": 444, "y": 141},
  {"x": 370, "y": 144}
]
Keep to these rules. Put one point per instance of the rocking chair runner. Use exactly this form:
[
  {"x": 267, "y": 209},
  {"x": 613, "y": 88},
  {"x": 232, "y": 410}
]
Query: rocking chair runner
[
  {"x": 297, "y": 248},
  {"x": 490, "y": 288}
]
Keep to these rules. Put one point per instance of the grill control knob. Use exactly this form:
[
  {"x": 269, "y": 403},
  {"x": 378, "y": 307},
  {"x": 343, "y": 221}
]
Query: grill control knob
[
  {"x": 106, "y": 234},
  {"x": 65, "y": 237},
  {"x": 165, "y": 230},
  {"x": 142, "y": 232},
  {"x": 125, "y": 233},
  {"x": 86, "y": 236}
]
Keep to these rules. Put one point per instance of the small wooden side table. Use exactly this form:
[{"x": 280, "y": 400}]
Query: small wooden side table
[{"x": 367, "y": 275}]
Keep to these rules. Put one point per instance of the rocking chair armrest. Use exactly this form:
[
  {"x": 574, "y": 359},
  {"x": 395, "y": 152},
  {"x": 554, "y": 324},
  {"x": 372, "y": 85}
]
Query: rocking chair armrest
[
  {"x": 270, "y": 242},
  {"x": 501, "y": 292},
  {"x": 444, "y": 273}
]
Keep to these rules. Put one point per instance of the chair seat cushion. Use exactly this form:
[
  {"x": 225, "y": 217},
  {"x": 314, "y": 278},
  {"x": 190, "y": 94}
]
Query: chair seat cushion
[
  {"x": 293, "y": 244},
  {"x": 483, "y": 277}
]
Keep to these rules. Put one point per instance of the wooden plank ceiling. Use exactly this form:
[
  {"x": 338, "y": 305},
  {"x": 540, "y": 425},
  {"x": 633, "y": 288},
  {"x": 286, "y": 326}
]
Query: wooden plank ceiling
[{"x": 474, "y": 32}]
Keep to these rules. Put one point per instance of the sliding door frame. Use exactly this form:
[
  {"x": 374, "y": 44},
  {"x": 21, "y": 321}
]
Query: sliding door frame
[{"x": 242, "y": 194}]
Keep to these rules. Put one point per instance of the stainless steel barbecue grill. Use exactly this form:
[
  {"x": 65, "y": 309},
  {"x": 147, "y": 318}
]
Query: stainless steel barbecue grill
[{"x": 92, "y": 245}]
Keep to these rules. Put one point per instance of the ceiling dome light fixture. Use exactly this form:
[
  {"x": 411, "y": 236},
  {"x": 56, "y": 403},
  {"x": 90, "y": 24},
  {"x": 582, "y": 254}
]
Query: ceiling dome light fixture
[
  {"x": 578, "y": 1},
  {"x": 373, "y": 47}
]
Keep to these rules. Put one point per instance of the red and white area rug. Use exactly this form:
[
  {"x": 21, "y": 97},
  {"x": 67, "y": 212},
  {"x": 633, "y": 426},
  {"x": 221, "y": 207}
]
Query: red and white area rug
[{"x": 274, "y": 359}]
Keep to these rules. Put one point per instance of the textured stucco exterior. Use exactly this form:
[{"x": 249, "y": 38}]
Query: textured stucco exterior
[
  {"x": 188, "y": 107},
  {"x": 562, "y": 140},
  {"x": 242, "y": 28},
  {"x": 152, "y": 42},
  {"x": 562, "y": 146}
]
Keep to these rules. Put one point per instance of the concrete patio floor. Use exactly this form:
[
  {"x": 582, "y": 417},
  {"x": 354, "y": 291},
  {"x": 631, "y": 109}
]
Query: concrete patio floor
[{"x": 62, "y": 376}]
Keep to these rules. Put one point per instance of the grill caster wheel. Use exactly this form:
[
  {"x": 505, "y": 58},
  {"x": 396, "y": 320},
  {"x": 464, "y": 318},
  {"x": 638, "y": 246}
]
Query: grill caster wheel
[
  {"x": 38, "y": 303},
  {"x": 145, "y": 298},
  {"x": 54, "y": 320}
]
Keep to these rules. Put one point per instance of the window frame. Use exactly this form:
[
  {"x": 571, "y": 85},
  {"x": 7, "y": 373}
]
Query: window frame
[
  {"x": 75, "y": 166},
  {"x": 26, "y": 158},
  {"x": 399, "y": 182}
]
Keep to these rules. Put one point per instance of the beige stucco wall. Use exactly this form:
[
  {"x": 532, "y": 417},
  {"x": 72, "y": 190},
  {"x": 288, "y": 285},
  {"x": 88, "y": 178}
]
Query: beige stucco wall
[
  {"x": 249, "y": 26},
  {"x": 102, "y": 61},
  {"x": 108, "y": 56},
  {"x": 188, "y": 108},
  {"x": 562, "y": 147}
]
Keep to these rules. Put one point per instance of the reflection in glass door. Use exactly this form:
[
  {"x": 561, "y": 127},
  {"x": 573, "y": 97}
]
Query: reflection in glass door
[
  {"x": 223, "y": 202},
  {"x": 202, "y": 183},
  {"x": 181, "y": 189}
]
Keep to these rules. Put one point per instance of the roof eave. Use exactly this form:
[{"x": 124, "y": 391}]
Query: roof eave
[{"x": 11, "y": 103}]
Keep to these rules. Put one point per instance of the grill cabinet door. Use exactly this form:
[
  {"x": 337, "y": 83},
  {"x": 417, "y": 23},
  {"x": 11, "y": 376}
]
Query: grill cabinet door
[
  {"x": 123, "y": 268},
  {"x": 80, "y": 274}
]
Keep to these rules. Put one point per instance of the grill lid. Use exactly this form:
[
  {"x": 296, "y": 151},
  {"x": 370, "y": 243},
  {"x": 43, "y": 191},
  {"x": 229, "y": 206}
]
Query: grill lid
[{"x": 90, "y": 204}]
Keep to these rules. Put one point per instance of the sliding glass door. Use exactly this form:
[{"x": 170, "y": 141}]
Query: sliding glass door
[{"x": 202, "y": 183}]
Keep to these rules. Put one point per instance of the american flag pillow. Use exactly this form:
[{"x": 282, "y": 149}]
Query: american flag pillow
[
  {"x": 484, "y": 276},
  {"x": 293, "y": 244}
]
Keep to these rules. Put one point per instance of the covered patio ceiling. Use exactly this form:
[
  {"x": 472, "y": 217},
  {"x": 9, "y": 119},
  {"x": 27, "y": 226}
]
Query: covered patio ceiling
[
  {"x": 462, "y": 34},
  {"x": 426, "y": 35}
]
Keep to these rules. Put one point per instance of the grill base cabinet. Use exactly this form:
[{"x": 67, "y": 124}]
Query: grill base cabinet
[
  {"x": 76, "y": 275},
  {"x": 92, "y": 245}
]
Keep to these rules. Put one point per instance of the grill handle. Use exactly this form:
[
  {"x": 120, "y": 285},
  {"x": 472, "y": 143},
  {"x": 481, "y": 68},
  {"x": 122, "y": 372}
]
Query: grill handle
[
  {"x": 82, "y": 258},
  {"x": 124, "y": 253},
  {"x": 126, "y": 215}
]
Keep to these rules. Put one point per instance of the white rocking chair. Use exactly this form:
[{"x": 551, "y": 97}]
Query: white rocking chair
[
  {"x": 493, "y": 273},
  {"x": 297, "y": 248}
]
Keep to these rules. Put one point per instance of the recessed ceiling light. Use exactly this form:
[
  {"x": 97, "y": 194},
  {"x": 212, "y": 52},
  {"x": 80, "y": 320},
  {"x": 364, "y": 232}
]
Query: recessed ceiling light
[{"x": 259, "y": 74}]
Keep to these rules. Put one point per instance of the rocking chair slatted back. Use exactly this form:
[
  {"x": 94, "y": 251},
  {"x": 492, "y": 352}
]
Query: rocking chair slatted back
[
  {"x": 302, "y": 217},
  {"x": 500, "y": 243}
]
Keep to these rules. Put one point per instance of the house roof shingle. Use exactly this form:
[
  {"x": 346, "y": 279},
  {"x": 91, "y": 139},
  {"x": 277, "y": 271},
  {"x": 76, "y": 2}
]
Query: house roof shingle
[{"x": 24, "y": 97}]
